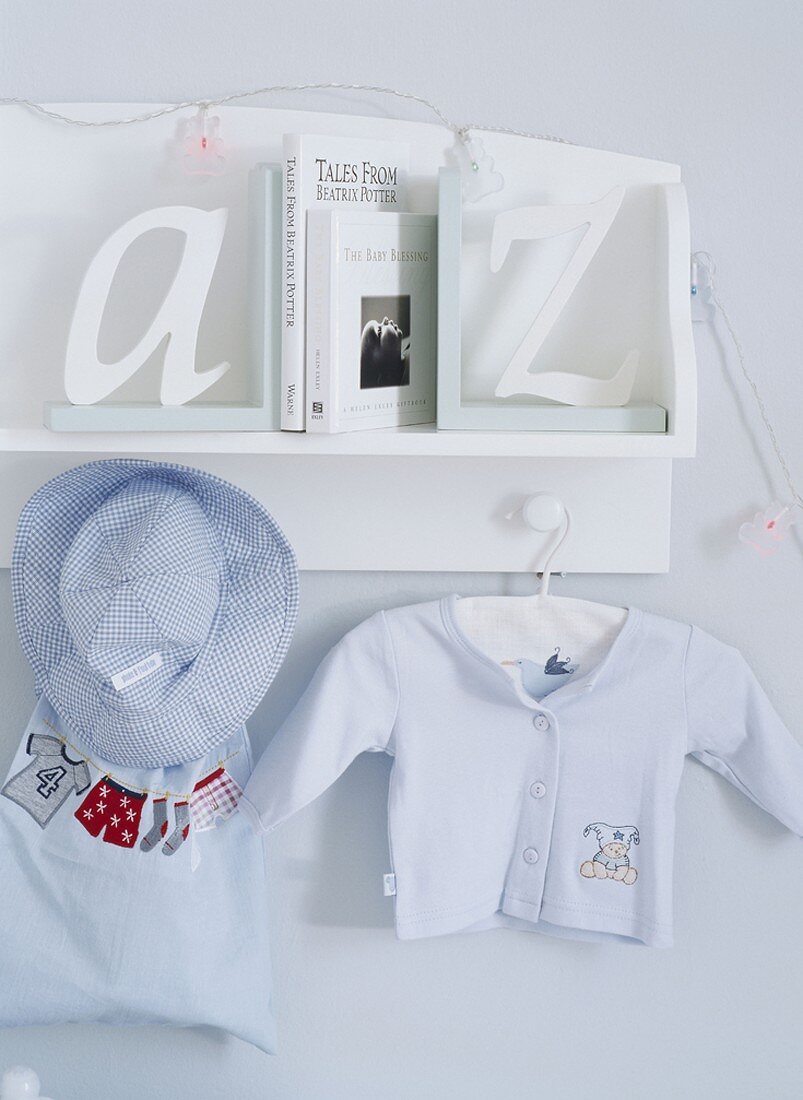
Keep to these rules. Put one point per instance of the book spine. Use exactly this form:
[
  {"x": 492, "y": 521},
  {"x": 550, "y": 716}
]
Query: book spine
[
  {"x": 320, "y": 308},
  {"x": 293, "y": 285}
]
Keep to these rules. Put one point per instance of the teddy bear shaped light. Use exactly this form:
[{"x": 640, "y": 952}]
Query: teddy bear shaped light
[{"x": 612, "y": 859}]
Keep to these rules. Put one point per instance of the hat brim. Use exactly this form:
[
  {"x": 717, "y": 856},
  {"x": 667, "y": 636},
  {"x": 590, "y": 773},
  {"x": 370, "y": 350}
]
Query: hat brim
[{"x": 251, "y": 634}]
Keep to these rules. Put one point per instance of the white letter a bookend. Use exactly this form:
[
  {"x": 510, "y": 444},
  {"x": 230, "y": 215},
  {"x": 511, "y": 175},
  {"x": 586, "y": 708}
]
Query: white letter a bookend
[{"x": 88, "y": 380}]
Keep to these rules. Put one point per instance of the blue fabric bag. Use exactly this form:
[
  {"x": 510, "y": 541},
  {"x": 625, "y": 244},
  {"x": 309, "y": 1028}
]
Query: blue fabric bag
[
  {"x": 155, "y": 603},
  {"x": 96, "y": 928}
]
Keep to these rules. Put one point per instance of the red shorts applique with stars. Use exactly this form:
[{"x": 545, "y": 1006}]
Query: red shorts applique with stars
[{"x": 112, "y": 808}]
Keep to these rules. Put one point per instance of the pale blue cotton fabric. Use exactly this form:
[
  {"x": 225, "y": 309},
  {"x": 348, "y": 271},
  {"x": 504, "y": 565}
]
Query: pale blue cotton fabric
[
  {"x": 125, "y": 561},
  {"x": 556, "y": 815},
  {"x": 94, "y": 932}
]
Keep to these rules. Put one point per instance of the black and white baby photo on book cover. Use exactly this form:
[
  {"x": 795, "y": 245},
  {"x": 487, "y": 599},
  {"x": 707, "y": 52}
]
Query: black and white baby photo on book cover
[{"x": 385, "y": 342}]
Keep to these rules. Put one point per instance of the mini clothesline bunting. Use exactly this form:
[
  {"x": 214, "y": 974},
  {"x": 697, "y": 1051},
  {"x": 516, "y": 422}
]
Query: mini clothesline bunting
[{"x": 180, "y": 795}]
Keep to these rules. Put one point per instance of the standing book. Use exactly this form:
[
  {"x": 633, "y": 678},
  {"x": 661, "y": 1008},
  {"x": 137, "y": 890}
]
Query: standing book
[
  {"x": 371, "y": 320},
  {"x": 325, "y": 172}
]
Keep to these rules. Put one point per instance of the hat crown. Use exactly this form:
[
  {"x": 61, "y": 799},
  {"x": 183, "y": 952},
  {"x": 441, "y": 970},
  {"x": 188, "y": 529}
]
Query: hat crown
[
  {"x": 155, "y": 603},
  {"x": 142, "y": 575}
]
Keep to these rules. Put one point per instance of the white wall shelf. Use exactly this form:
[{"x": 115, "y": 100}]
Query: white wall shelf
[
  {"x": 399, "y": 499},
  {"x": 421, "y": 440}
]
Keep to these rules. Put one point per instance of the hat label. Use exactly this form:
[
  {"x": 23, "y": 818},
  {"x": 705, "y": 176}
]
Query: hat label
[{"x": 134, "y": 673}]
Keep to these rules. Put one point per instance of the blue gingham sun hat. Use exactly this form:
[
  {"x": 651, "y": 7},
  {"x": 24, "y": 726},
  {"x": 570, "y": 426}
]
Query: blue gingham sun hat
[{"x": 155, "y": 603}]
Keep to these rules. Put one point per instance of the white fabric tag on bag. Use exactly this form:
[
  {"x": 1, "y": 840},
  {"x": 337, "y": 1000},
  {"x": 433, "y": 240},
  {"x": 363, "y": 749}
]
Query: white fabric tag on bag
[
  {"x": 389, "y": 884},
  {"x": 134, "y": 673}
]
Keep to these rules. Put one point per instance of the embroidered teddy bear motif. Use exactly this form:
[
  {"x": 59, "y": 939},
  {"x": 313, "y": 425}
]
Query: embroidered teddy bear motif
[{"x": 612, "y": 860}]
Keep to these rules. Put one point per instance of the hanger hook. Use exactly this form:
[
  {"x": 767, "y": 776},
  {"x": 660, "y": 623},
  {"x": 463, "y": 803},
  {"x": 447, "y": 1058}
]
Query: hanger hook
[
  {"x": 543, "y": 512},
  {"x": 546, "y": 572}
]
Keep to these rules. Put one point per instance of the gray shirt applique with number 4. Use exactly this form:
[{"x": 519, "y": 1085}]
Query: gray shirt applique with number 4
[{"x": 44, "y": 785}]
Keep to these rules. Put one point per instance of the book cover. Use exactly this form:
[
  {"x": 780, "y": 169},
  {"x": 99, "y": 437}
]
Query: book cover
[
  {"x": 372, "y": 320},
  {"x": 324, "y": 172}
]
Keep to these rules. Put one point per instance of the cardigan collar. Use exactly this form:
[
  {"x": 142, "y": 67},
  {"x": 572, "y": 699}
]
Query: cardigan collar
[{"x": 584, "y": 683}]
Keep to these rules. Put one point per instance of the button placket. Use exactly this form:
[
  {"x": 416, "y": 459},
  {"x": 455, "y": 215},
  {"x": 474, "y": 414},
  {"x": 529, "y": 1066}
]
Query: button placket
[{"x": 527, "y": 872}]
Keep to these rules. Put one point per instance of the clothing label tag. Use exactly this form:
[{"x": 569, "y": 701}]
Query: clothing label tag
[
  {"x": 134, "y": 673},
  {"x": 389, "y": 883}
]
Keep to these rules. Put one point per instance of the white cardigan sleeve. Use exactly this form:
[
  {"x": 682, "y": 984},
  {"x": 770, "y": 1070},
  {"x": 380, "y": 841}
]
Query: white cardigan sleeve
[
  {"x": 349, "y": 707},
  {"x": 734, "y": 729}
]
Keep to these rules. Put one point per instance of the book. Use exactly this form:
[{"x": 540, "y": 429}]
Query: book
[
  {"x": 371, "y": 319},
  {"x": 322, "y": 172}
]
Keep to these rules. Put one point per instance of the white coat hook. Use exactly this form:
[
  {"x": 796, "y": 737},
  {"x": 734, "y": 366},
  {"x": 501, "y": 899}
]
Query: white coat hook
[
  {"x": 543, "y": 512},
  {"x": 20, "y": 1083}
]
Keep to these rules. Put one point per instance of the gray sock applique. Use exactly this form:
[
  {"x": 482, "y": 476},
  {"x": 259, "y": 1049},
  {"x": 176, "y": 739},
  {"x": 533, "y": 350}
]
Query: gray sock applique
[
  {"x": 181, "y": 831},
  {"x": 157, "y": 831}
]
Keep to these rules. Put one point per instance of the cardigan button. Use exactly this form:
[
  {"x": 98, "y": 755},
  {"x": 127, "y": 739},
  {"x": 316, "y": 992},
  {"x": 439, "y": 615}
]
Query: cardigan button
[
  {"x": 538, "y": 790},
  {"x": 530, "y": 855},
  {"x": 541, "y": 723}
]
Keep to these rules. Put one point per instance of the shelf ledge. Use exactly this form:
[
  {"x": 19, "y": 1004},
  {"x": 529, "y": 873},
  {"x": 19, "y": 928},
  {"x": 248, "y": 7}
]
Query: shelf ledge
[{"x": 420, "y": 440}]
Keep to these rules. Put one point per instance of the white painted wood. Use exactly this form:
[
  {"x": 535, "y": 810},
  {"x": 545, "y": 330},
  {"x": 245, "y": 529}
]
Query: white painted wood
[
  {"x": 678, "y": 390},
  {"x": 419, "y": 440},
  {"x": 139, "y": 417},
  {"x": 489, "y": 416},
  {"x": 403, "y": 513},
  {"x": 531, "y": 223},
  {"x": 423, "y": 501},
  {"x": 54, "y": 221},
  {"x": 634, "y": 295},
  {"x": 579, "y": 389},
  {"x": 87, "y": 379},
  {"x": 261, "y": 413},
  {"x": 542, "y": 512}
]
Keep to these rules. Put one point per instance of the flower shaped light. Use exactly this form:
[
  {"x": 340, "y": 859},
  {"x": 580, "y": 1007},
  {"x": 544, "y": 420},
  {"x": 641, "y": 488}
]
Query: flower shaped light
[
  {"x": 203, "y": 146},
  {"x": 768, "y": 529},
  {"x": 476, "y": 168}
]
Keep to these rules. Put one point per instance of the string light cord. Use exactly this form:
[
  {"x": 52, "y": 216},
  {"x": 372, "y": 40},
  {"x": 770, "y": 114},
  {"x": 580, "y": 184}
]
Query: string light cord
[
  {"x": 706, "y": 262},
  {"x": 460, "y": 130}
]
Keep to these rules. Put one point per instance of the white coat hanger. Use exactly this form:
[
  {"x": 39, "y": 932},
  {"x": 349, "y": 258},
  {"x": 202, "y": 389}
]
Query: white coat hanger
[
  {"x": 544, "y": 513},
  {"x": 512, "y": 622}
]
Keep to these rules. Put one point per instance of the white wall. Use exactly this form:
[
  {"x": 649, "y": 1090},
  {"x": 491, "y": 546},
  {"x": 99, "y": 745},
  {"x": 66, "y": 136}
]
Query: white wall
[{"x": 716, "y": 87}]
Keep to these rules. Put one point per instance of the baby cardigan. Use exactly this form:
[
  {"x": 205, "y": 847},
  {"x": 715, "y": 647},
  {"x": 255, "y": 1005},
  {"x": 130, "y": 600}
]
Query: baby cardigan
[{"x": 556, "y": 815}]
